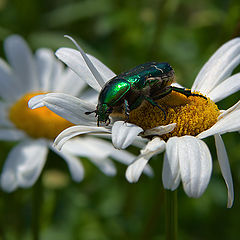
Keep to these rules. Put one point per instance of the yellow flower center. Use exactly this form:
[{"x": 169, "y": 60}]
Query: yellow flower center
[
  {"x": 37, "y": 123},
  {"x": 192, "y": 115}
]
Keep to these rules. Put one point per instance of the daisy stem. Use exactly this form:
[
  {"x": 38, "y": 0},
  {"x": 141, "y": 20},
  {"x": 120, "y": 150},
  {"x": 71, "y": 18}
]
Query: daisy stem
[
  {"x": 171, "y": 214},
  {"x": 36, "y": 209}
]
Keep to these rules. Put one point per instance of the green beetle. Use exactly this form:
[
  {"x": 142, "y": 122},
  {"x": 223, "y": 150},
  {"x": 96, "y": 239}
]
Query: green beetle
[{"x": 149, "y": 81}]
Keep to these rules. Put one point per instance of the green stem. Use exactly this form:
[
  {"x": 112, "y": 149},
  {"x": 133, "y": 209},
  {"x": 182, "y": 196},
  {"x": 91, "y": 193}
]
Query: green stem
[
  {"x": 171, "y": 215},
  {"x": 36, "y": 209}
]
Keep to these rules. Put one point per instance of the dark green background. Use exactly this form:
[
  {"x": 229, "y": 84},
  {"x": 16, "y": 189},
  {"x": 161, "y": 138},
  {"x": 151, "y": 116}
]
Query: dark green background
[{"x": 123, "y": 34}]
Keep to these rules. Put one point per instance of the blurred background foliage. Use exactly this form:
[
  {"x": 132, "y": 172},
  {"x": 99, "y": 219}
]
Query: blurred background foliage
[{"x": 123, "y": 34}]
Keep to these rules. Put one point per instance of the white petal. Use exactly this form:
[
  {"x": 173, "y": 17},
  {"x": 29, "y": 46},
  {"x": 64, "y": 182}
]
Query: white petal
[
  {"x": 227, "y": 122},
  {"x": 90, "y": 95},
  {"x": 155, "y": 146},
  {"x": 88, "y": 68},
  {"x": 75, "y": 131},
  {"x": 95, "y": 149},
  {"x": 105, "y": 72},
  {"x": 54, "y": 77},
  {"x": 71, "y": 108},
  {"x": 74, "y": 165},
  {"x": 36, "y": 102},
  {"x": 224, "y": 113},
  {"x": 195, "y": 163},
  {"x": 9, "y": 90},
  {"x": 123, "y": 134},
  {"x": 8, "y": 180},
  {"x": 121, "y": 156},
  {"x": 160, "y": 130},
  {"x": 126, "y": 158},
  {"x": 90, "y": 147},
  {"x": 31, "y": 156},
  {"x": 20, "y": 57},
  {"x": 171, "y": 171},
  {"x": 90, "y": 65},
  {"x": 218, "y": 67},
  {"x": 68, "y": 80},
  {"x": 140, "y": 142},
  {"x": 44, "y": 65},
  {"x": 225, "y": 168},
  {"x": 105, "y": 165},
  {"x": 225, "y": 88},
  {"x": 24, "y": 165},
  {"x": 11, "y": 134},
  {"x": 135, "y": 170},
  {"x": 4, "y": 118},
  {"x": 73, "y": 59}
]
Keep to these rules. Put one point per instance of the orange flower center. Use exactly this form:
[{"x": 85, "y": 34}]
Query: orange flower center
[{"x": 192, "y": 115}]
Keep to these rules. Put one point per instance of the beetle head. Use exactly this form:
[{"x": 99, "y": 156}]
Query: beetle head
[{"x": 102, "y": 112}]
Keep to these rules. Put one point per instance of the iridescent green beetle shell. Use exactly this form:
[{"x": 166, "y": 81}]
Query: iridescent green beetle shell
[
  {"x": 138, "y": 76},
  {"x": 113, "y": 91},
  {"x": 127, "y": 90}
]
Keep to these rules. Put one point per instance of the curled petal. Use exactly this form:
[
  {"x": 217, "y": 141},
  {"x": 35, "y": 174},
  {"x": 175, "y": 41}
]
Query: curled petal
[
  {"x": 235, "y": 107},
  {"x": 73, "y": 59},
  {"x": 88, "y": 68},
  {"x": 155, "y": 146},
  {"x": 135, "y": 170},
  {"x": 225, "y": 168},
  {"x": 36, "y": 102},
  {"x": 123, "y": 134},
  {"x": 75, "y": 131},
  {"x": 90, "y": 65},
  {"x": 228, "y": 121},
  {"x": 161, "y": 130}
]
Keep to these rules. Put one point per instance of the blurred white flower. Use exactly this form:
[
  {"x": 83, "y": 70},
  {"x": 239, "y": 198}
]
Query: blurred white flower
[
  {"x": 187, "y": 158},
  {"x": 34, "y": 130}
]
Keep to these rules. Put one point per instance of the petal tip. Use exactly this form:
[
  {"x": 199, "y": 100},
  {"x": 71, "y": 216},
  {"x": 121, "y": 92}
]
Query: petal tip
[{"x": 36, "y": 102}]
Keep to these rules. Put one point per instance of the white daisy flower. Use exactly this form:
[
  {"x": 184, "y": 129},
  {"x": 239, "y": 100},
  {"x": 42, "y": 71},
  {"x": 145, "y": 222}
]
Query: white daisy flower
[
  {"x": 29, "y": 75},
  {"x": 188, "y": 121}
]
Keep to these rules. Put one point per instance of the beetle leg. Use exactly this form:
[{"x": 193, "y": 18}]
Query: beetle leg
[
  {"x": 155, "y": 105},
  {"x": 167, "y": 90},
  {"x": 186, "y": 92},
  {"x": 107, "y": 121},
  {"x": 126, "y": 109}
]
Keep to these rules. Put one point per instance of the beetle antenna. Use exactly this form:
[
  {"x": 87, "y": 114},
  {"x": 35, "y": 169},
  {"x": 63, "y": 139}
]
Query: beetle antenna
[{"x": 87, "y": 113}]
